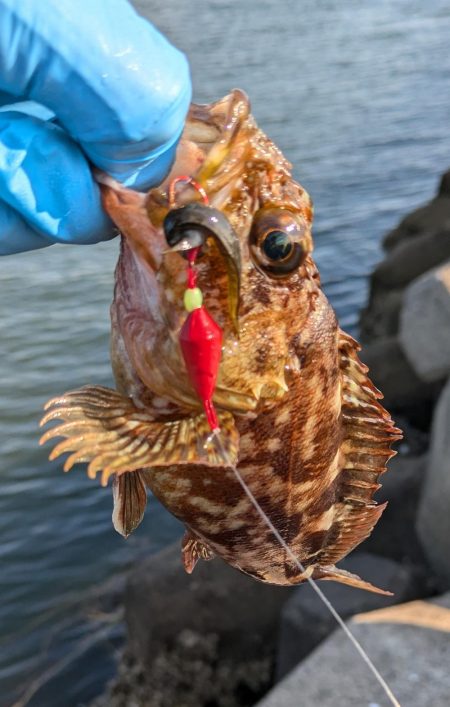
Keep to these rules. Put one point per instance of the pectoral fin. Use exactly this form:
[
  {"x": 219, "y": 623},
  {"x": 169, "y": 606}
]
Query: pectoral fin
[{"x": 106, "y": 430}]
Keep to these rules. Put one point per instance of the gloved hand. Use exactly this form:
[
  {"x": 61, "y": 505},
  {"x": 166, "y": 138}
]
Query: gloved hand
[{"x": 114, "y": 90}]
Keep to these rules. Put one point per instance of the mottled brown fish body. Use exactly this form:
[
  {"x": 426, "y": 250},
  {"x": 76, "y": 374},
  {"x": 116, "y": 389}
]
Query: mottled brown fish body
[
  {"x": 291, "y": 457},
  {"x": 298, "y": 414}
]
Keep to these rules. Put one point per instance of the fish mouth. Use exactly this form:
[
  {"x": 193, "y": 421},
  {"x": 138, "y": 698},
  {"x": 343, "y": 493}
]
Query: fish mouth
[
  {"x": 216, "y": 131},
  {"x": 189, "y": 227},
  {"x": 239, "y": 402}
]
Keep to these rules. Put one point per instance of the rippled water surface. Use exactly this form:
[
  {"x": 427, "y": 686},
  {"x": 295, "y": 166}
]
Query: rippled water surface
[{"x": 357, "y": 95}]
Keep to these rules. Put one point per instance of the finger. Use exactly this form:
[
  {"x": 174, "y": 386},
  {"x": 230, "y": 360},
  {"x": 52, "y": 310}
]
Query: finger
[
  {"x": 16, "y": 236},
  {"x": 46, "y": 180},
  {"x": 115, "y": 83},
  {"x": 7, "y": 103}
]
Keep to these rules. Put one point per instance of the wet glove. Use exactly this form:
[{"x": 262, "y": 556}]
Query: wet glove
[{"x": 80, "y": 81}]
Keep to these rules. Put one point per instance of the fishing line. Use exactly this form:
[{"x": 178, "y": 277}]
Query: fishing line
[{"x": 356, "y": 644}]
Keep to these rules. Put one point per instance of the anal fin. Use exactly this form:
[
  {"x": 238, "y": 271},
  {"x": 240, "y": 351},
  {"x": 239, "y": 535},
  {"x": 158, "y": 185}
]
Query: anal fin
[{"x": 352, "y": 580}]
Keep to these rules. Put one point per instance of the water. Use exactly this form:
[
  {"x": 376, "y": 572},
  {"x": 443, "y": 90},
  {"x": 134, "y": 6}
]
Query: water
[{"x": 357, "y": 95}]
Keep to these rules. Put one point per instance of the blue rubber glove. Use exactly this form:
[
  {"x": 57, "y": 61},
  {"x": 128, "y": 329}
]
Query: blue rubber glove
[{"x": 80, "y": 80}]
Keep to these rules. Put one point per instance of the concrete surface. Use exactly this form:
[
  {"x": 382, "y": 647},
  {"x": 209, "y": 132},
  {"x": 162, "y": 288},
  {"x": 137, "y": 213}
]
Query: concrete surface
[
  {"x": 433, "y": 523},
  {"x": 414, "y": 661},
  {"x": 305, "y": 620}
]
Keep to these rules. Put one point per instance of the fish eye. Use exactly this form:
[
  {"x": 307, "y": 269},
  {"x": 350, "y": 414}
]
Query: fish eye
[
  {"x": 277, "y": 245},
  {"x": 278, "y": 242}
]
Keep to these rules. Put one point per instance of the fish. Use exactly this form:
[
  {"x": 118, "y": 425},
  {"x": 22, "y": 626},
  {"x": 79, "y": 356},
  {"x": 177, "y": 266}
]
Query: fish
[{"x": 298, "y": 415}]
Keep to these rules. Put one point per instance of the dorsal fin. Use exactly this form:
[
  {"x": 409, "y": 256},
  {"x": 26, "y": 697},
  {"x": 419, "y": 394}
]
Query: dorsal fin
[{"x": 366, "y": 448}]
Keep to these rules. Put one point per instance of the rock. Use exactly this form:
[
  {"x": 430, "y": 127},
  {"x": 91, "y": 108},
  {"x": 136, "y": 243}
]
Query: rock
[
  {"x": 419, "y": 243},
  {"x": 190, "y": 673},
  {"x": 412, "y": 658},
  {"x": 233, "y": 613},
  {"x": 444, "y": 186},
  {"x": 433, "y": 522},
  {"x": 415, "y": 442},
  {"x": 403, "y": 390},
  {"x": 411, "y": 258},
  {"x": 395, "y": 535},
  {"x": 425, "y": 324},
  {"x": 431, "y": 217},
  {"x": 407, "y": 261},
  {"x": 306, "y": 621},
  {"x": 381, "y": 317}
]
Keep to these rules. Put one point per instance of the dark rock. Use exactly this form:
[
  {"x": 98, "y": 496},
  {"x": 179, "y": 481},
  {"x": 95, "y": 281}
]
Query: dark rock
[
  {"x": 444, "y": 186},
  {"x": 306, "y": 621},
  {"x": 411, "y": 258},
  {"x": 419, "y": 243},
  {"x": 238, "y": 614},
  {"x": 403, "y": 390},
  {"x": 412, "y": 657},
  {"x": 395, "y": 535},
  {"x": 415, "y": 441},
  {"x": 434, "y": 512},
  {"x": 188, "y": 674},
  {"x": 426, "y": 219},
  {"x": 382, "y": 315}
]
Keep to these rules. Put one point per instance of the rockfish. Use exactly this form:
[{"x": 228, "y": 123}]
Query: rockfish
[{"x": 297, "y": 412}]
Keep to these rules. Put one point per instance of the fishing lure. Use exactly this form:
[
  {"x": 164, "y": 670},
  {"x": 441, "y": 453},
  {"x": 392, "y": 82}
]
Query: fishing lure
[{"x": 200, "y": 336}]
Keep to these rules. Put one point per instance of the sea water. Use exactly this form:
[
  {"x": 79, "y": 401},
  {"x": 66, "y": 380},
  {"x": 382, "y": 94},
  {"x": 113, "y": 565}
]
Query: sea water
[{"x": 357, "y": 96}]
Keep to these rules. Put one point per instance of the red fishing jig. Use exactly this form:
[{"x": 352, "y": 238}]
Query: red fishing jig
[
  {"x": 201, "y": 344},
  {"x": 200, "y": 335}
]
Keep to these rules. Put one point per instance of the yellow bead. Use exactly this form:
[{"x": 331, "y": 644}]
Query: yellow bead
[{"x": 193, "y": 299}]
